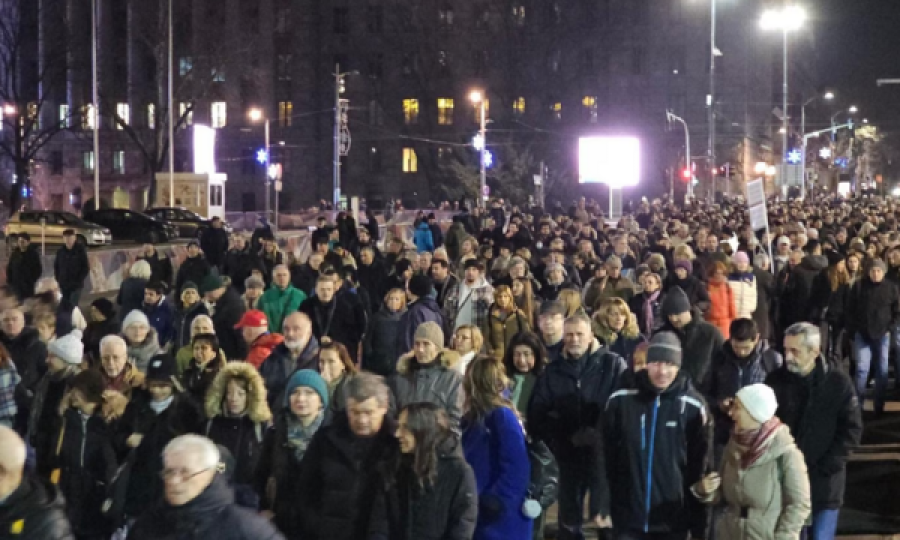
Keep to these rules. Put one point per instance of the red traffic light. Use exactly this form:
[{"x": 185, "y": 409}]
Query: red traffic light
[{"x": 686, "y": 174}]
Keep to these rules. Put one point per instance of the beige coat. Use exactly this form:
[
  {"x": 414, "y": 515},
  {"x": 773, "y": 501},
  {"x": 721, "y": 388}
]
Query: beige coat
[{"x": 774, "y": 490}]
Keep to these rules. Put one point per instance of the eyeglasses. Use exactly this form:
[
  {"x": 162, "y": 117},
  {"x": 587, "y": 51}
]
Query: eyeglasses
[{"x": 182, "y": 475}]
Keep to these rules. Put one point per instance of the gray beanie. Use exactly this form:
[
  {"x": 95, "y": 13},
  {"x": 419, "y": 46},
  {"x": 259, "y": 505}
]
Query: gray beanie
[
  {"x": 430, "y": 331},
  {"x": 665, "y": 347},
  {"x": 878, "y": 263},
  {"x": 68, "y": 348}
]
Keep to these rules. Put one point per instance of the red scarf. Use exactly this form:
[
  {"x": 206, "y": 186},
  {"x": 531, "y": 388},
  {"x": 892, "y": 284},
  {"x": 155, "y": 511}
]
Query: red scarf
[{"x": 753, "y": 442}]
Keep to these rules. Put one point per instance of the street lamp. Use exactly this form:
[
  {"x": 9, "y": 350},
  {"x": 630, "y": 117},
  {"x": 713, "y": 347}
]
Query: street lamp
[
  {"x": 827, "y": 96},
  {"x": 477, "y": 97},
  {"x": 853, "y": 109},
  {"x": 257, "y": 115},
  {"x": 341, "y": 129}
]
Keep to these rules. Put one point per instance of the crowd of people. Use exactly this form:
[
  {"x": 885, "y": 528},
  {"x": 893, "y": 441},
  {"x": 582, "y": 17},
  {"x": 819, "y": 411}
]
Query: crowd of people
[{"x": 674, "y": 372}]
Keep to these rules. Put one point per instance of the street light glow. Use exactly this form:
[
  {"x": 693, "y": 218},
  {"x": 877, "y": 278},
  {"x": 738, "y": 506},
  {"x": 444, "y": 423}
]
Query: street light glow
[
  {"x": 787, "y": 19},
  {"x": 828, "y": 95},
  {"x": 853, "y": 109},
  {"x": 255, "y": 114},
  {"x": 476, "y": 96},
  {"x": 9, "y": 110}
]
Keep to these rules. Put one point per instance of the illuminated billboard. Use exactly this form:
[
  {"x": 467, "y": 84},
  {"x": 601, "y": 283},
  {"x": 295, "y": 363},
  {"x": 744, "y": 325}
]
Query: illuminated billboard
[
  {"x": 615, "y": 161},
  {"x": 204, "y": 149}
]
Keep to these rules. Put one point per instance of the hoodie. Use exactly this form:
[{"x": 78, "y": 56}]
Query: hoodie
[
  {"x": 796, "y": 299},
  {"x": 262, "y": 347},
  {"x": 424, "y": 309}
]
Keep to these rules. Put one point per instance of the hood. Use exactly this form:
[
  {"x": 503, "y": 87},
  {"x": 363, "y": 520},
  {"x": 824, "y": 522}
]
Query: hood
[
  {"x": 427, "y": 302},
  {"x": 257, "y": 407},
  {"x": 815, "y": 263},
  {"x": 448, "y": 360},
  {"x": 268, "y": 341}
]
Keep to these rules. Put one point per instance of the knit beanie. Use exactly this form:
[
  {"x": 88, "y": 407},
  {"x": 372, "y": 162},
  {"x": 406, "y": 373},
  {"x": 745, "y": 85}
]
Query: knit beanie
[
  {"x": 614, "y": 261},
  {"x": 759, "y": 400},
  {"x": 675, "y": 302},
  {"x": 309, "y": 379},
  {"x": 105, "y": 307},
  {"x": 665, "y": 347},
  {"x": 68, "y": 348},
  {"x": 189, "y": 285},
  {"x": 135, "y": 316},
  {"x": 211, "y": 283},
  {"x": 741, "y": 258},
  {"x": 90, "y": 384},
  {"x": 161, "y": 369},
  {"x": 420, "y": 285},
  {"x": 878, "y": 263},
  {"x": 685, "y": 265},
  {"x": 430, "y": 331}
]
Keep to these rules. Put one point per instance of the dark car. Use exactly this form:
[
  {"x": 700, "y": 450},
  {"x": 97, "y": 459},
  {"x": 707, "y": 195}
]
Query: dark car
[
  {"x": 190, "y": 224},
  {"x": 130, "y": 225}
]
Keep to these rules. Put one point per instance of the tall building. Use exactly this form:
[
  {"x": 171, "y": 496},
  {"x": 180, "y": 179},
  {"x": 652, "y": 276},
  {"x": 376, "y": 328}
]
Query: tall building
[{"x": 552, "y": 70}]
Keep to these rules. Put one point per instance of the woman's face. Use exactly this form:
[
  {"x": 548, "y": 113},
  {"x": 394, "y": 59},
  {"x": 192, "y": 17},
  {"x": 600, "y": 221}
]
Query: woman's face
[
  {"x": 518, "y": 288},
  {"x": 555, "y": 276},
  {"x": 190, "y": 297},
  {"x": 651, "y": 285},
  {"x": 523, "y": 358},
  {"x": 201, "y": 326},
  {"x": 404, "y": 436},
  {"x": 235, "y": 398},
  {"x": 740, "y": 416},
  {"x": 681, "y": 273},
  {"x": 203, "y": 352},
  {"x": 159, "y": 391},
  {"x": 137, "y": 332},
  {"x": 96, "y": 315},
  {"x": 615, "y": 319},
  {"x": 395, "y": 301},
  {"x": 841, "y": 267},
  {"x": 853, "y": 264},
  {"x": 305, "y": 402},
  {"x": 504, "y": 300},
  {"x": 462, "y": 341},
  {"x": 330, "y": 365},
  {"x": 45, "y": 331}
]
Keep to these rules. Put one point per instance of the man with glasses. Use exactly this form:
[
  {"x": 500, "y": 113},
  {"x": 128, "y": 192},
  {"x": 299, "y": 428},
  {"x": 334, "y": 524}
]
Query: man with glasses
[{"x": 198, "y": 502}]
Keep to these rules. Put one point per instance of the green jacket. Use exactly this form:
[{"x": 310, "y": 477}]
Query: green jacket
[{"x": 278, "y": 304}]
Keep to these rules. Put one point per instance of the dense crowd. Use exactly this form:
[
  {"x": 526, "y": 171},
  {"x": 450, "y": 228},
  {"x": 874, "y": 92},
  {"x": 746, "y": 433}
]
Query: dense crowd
[{"x": 670, "y": 374}]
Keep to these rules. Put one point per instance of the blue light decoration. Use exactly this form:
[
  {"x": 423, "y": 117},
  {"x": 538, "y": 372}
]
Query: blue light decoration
[
  {"x": 488, "y": 159},
  {"x": 794, "y": 156},
  {"x": 842, "y": 162},
  {"x": 262, "y": 155},
  {"x": 24, "y": 191}
]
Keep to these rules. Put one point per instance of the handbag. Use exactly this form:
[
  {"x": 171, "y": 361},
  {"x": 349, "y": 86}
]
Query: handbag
[
  {"x": 544, "y": 487},
  {"x": 116, "y": 491}
]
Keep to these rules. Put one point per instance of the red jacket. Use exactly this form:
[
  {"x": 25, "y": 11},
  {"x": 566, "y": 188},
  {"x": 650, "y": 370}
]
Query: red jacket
[
  {"x": 262, "y": 347},
  {"x": 721, "y": 310}
]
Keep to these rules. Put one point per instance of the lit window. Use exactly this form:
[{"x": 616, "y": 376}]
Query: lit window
[
  {"x": 185, "y": 64},
  {"x": 519, "y": 15},
  {"x": 410, "y": 111},
  {"x": 410, "y": 160},
  {"x": 123, "y": 111},
  {"x": 89, "y": 117},
  {"x": 285, "y": 113},
  {"x": 519, "y": 106},
  {"x": 445, "y": 111},
  {"x": 119, "y": 162},
  {"x": 151, "y": 115},
  {"x": 219, "y": 114},
  {"x": 218, "y": 75},
  {"x": 64, "y": 119},
  {"x": 87, "y": 161},
  {"x": 556, "y": 109},
  {"x": 186, "y": 111},
  {"x": 33, "y": 115},
  {"x": 487, "y": 110},
  {"x": 590, "y": 107}
]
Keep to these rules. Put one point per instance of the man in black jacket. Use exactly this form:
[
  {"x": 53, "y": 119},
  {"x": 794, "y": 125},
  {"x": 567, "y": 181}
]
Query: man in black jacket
[
  {"x": 566, "y": 412},
  {"x": 29, "y": 354},
  {"x": 214, "y": 243},
  {"x": 24, "y": 267},
  {"x": 71, "y": 267},
  {"x": 333, "y": 315},
  {"x": 796, "y": 299},
  {"x": 194, "y": 268},
  {"x": 819, "y": 405},
  {"x": 227, "y": 310},
  {"x": 657, "y": 433},
  {"x": 30, "y": 509},
  {"x": 160, "y": 265},
  {"x": 240, "y": 263},
  {"x": 700, "y": 340}
]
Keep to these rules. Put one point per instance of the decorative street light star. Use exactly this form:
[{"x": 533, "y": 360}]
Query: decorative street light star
[
  {"x": 261, "y": 155},
  {"x": 794, "y": 156},
  {"x": 488, "y": 159},
  {"x": 825, "y": 153}
]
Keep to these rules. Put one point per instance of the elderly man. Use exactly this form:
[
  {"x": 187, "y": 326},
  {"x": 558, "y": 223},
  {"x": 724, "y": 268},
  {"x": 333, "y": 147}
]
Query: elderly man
[
  {"x": 281, "y": 299},
  {"x": 30, "y": 509},
  {"x": 332, "y": 490},
  {"x": 254, "y": 327},
  {"x": 297, "y": 351},
  {"x": 226, "y": 311},
  {"x": 198, "y": 502},
  {"x": 71, "y": 267}
]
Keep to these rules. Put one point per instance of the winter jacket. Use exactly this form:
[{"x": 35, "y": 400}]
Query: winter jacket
[
  {"x": 721, "y": 310},
  {"x": 595, "y": 291},
  {"x": 226, "y": 314},
  {"x": 71, "y": 268},
  {"x": 184, "y": 318},
  {"x": 141, "y": 353},
  {"x": 424, "y": 309},
  {"x": 192, "y": 269},
  {"x": 824, "y": 416},
  {"x": 198, "y": 379},
  {"x": 162, "y": 318},
  {"x": 796, "y": 299},
  {"x": 23, "y": 270},
  {"x": 743, "y": 289},
  {"x": 238, "y": 265},
  {"x": 241, "y": 435},
  {"x": 660, "y": 439},
  {"x": 773, "y": 493},
  {"x": 278, "y": 303},
  {"x": 699, "y": 342},
  {"x": 829, "y": 306},
  {"x": 212, "y": 514},
  {"x": 44, "y": 415},
  {"x": 499, "y": 331},
  {"x": 96, "y": 331},
  {"x": 339, "y": 479},
  {"x": 37, "y": 510},
  {"x": 438, "y": 382},
  {"x": 549, "y": 292},
  {"x": 381, "y": 348},
  {"x": 422, "y": 238},
  {"x": 478, "y": 299},
  {"x": 29, "y": 354},
  {"x": 214, "y": 243},
  {"x": 278, "y": 367},
  {"x": 445, "y": 510},
  {"x": 495, "y": 448},
  {"x": 269, "y": 260},
  {"x": 338, "y": 319},
  {"x": 372, "y": 278},
  {"x": 873, "y": 309},
  {"x": 693, "y": 288},
  {"x": 765, "y": 297},
  {"x": 262, "y": 347},
  {"x": 160, "y": 267},
  {"x": 656, "y": 320},
  {"x": 304, "y": 277},
  {"x": 454, "y": 239},
  {"x": 131, "y": 296}
]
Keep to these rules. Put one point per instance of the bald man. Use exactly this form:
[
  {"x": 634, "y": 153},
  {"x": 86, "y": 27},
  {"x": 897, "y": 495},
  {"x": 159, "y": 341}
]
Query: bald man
[
  {"x": 30, "y": 509},
  {"x": 298, "y": 351}
]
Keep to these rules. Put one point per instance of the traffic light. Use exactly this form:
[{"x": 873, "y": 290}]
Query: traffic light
[{"x": 686, "y": 175}]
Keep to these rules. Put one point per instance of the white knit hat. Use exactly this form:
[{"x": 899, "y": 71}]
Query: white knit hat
[
  {"x": 68, "y": 348},
  {"x": 136, "y": 316},
  {"x": 759, "y": 400}
]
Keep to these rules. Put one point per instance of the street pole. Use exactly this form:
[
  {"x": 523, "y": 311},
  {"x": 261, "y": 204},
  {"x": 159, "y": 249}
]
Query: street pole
[
  {"x": 483, "y": 150},
  {"x": 687, "y": 153},
  {"x": 268, "y": 162},
  {"x": 336, "y": 181},
  {"x": 711, "y": 113},
  {"x": 784, "y": 117},
  {"x": 171, "y": 111},
  {"x": 95, "y": 110},
  {"x": 803, "y": 147}
]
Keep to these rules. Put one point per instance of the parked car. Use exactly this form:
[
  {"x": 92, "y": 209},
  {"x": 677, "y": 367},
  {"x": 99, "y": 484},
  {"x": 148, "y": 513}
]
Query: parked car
[
  {"x": 190, "y": 224},
  {"x": 54, "y": 223},
  {"x": 130, "y": 225}
]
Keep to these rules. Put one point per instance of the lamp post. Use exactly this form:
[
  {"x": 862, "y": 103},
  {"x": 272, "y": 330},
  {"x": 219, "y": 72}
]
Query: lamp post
[
  {"x": 828, "y": 96},
  {"x": 171, "y": 91},
  {"x": 853, "y": 109},
  {"x": 341, "y": 112},
  {"x": 687, "y": 156},
  {"x": 477, "y": 97},
  {"x": 256, "y": 115},
  {"x": 96, "y": 99},
  {"x": 711, "y": 104}
]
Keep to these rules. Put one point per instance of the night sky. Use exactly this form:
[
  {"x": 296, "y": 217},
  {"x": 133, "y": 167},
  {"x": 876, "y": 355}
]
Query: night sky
[{"x": 859, "y": 42}]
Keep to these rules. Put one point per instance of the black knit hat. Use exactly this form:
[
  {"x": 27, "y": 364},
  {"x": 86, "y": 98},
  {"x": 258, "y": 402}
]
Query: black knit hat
[
  {"x": 161, "y": 369},
  {"x": 675, "y": 302},
  {"x": 105, "y": 307},
  {"x": 90, "y": 384},
  {"x": 420, "y": 285}
]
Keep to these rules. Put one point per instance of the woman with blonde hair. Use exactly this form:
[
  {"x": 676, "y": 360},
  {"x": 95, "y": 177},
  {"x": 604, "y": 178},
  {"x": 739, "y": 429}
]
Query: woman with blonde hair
[
  {"x": 467, "y": 341},
  {"x": 571, "y": 299},
  {"x": 505, "y": 320},
  {"x": 616, "y": 326},
  {"x": 523, "y": 293}
]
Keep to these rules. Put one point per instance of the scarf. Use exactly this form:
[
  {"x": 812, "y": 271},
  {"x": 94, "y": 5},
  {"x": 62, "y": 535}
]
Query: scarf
[
  {"x": 118, "y": 383},
  {"x": 298, "y": 436},
  {"x": 648, "y": 312},
  {"x": 159, "y": 406},
  {"x": 753, "y": 442}
]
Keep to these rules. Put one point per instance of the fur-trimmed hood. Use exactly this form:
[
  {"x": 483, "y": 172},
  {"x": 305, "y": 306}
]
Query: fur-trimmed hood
[
  {"x": 447, "y": 358},
  {"x": 607, "y": 335},
  {"x": 257, "y": 407}
]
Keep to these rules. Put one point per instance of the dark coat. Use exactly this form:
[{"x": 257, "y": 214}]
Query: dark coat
[
  {"x": 304, "y": 277},
  {"x": 699, "y": 342},
  {"x": 131, "y": 296},
  {"x": 765, "y": 295},
  {"x": 693, "y": 288},
  {"x": 373, "y": 279},
  {"x": 445, "y": 510},
  {"x": 162, "y": 319},
  {"x": 40, "y": 508},
  {"x": 227, "y": 313},
  {"x": 670, "y": 431},
  {"x": 192, "y": 269},
  {"x": 238, "y": 265},
  {"x": 23, "y": 270},
  {"x": 278, "y": 367},
  {"x": 439, "y": 382},
  {"x": 338, "y": 320},
  {"x": 636, "y": 305},
  {"x": 214, "y": 243},
  {"x": 437, "y": 234},
  {"x": 796, "y": 299},
  {"x": 71, "y": 268},
  {"x": 425, "y": 309},
  {"x": 29, "y": 354},
  {"x": 211, "y": 515},
  {"x": 184, "y": 318},
  {"x": 160, "y": 267},
  {"x": 873, "y": 309},
  {"x": 96, "y": 331},
  {"x": 339, "y": 478},
  {"x": 44, "y": 415},
  {"x": 380, "y": 348},
  {"x": 823, "y": 414}
]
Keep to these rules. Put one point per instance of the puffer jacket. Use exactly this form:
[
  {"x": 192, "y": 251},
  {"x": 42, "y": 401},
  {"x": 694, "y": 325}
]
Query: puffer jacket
[
  {"x": 262, "y": 347},
  {"x": 773, "y": 492},
  {"x": 278, "y": 303},
  {"x": 439, "y": 382},
  {"x": 499, "y": 332},
  {"x": 380, "y": 348},
  {"x": 721, "y": 310},
  {"x": 422, "y": 238},
  {"x": 743, "y": 288},
  {"x": 37, "y": 510}
]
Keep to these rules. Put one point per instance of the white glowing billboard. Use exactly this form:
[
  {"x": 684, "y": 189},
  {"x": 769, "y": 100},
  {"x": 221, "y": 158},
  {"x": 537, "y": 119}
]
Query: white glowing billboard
[
  {"x": 204, "y": 149},
  {"x": 615, "y": 161}
]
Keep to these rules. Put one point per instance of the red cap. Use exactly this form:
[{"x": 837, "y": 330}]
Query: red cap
[{"x": 253, "y": 319}]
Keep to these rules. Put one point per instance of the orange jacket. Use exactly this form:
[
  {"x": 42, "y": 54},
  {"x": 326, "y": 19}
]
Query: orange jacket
[
  {"x": 721, "y": 310},
  {"x": 262, "y": 348}
]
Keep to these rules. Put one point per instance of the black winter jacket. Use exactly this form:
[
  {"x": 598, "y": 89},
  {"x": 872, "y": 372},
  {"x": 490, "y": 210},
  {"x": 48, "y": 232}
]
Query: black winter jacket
[
  {"x": 380, "y": 349},
  {"x": 40, "y": 509},
  {"x": 23, "y": 271},
  {"x": 227, "y": 313},
  {"x": 192, "y": 269},
  {"x": 278, "y": 367},
  {"x": 338, "y": 320},
  {"x": 160, "y": 267},
  {"x": 693, "y": 288},
  {"x": 184, "y": 318},
  {"x": 662, "y": 438},
  {"x": 873, "y": 309},
  {"x": 214, "y": 243},
  {"x": 211, "y": 515},
  {"x": 71, "y": 268},
  {"x": 238, "y": 265},
  {"x": 796, "y": 299},
  {"x": 699, "y": 342},
  {"x": 339, "y": 478},
  {"x": 823, "y": 414}
]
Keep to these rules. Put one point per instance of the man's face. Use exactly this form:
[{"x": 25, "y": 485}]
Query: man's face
[
  {"x": 799, "y": 358},
  {"x": 151, "y": 297},
  {"x": 439, "y": 272},
  {"x": 239, "y": 242},
  {"x": 876, "y": 274},
  {"x": 744, "y": 348},
  {"x": 213, "y": 296},
  {"x": 183, "y": 479},
  {"x": 472, "y": 275},
  {"x": 426, "y": 351},
  {"x": 296, "y": 330},
  {"x": 662, "y": 374},
  {"x": 366, "y": 257},
  {"x": 193, "y": 250},
  {"x": 281, "y": 277},
  {"x": 13, "y": 323},
  {"x": 112, "y": 359},
  {"x": 363, "y": 236},
  {"x": 577, "y": 338},
  {"x": 679, "y": 320},
  {"x": 70, "y": 240},
  {"x": 712, "y": 243},
  {"x": 315, "y": 260},
  {"x": 22, "y": 243},
  {"x": 366, "y": 416}
]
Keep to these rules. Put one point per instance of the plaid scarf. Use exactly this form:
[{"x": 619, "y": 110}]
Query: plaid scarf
[{"x": 753, "y": 442}]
